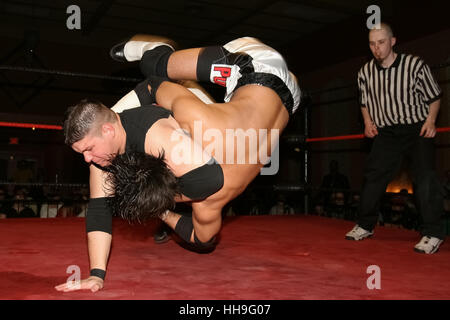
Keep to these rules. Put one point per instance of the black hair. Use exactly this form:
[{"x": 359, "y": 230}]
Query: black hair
[{"x": 142, "y": 186}]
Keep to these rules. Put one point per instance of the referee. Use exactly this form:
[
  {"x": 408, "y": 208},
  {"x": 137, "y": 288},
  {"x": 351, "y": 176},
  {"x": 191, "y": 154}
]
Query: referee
[{"x": 399, "y": 100}]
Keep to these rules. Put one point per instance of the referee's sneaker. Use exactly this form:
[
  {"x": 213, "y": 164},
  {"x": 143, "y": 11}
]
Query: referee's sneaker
[{"x": 426, "y": 245}]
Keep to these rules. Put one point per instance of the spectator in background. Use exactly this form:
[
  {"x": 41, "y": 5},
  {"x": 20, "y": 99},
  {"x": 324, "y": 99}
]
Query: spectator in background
[
  {"x": 334, "y": 185},
  {"x": 403, "y": 210},
  {"x": 69, "y": 209},
  {"x": 353, "y": 206},
  {"x": 81, "y": 203},
  {"x": 229, "y": 210},
  {"x": 281, "y": 207},
  {"x": 255, "y": 205},
  {"x": 23, "y": 204},
  {"x": 6, "y": 210},
  {"x": 337, "y": 205},
  {"x": 50, "y": 207}
]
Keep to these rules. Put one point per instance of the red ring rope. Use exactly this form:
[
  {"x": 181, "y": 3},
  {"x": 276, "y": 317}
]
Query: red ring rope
[
  {"x": 356, "y": 136},
  {"x": 30, "y": 125},
  {"x": 57, "y": 127}
]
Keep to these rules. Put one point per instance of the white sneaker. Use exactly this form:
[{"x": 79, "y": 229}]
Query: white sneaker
[
  {"x": 358, "y": 233},
  {"x": 428, "y": 245},
  {"x": 134, "y": 50}
]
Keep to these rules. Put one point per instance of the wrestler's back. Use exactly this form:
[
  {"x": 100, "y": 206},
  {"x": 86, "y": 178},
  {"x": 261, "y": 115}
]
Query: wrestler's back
[{"x": 253, "y": 108}]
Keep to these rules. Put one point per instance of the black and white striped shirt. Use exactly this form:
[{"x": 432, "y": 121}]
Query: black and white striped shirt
[{"x": 400, "y": 94}]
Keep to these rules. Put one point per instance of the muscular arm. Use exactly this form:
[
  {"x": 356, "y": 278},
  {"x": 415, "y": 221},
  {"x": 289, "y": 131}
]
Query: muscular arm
[{"x": 99, "y": 242}]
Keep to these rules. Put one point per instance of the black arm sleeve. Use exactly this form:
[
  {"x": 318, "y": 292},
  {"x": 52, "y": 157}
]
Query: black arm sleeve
[
  {"x": 203, "y": 181},
  {"x": 98, "y": 216}
]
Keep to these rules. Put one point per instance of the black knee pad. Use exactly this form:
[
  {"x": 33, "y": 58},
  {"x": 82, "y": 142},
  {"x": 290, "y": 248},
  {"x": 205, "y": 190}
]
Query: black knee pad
[
  {"x": 184, "y": 228},
  {"x": 207, "y": 57},
  {"x": 207, "y": 246},
  {"x": 154, "y": 62},
  {"x": 217, "y": 55}
]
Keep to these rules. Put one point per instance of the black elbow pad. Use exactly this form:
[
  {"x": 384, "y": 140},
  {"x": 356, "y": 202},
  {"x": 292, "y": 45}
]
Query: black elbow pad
[
  {"x": 98, "y": 216},
  {"x": 203, "y": 181},
  {"x": 144, "y": 95}
]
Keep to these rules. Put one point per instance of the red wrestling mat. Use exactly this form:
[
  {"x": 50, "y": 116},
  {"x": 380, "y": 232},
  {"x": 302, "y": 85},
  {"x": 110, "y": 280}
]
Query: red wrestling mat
[{"x": 259, "y": 257}]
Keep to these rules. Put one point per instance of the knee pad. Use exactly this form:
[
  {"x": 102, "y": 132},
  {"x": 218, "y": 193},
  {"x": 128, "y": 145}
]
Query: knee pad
[
  {"x": 205, "y": 246},
  {"x": 206, "y": 58},
  {"x": 184, "y": 228},
  {"x": 154, "y": 62},
  {"x": 216, "y": 64}
]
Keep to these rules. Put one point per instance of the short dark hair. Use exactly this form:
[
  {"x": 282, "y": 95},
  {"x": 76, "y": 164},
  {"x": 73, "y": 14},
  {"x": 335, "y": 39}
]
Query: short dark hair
[
  {"x": 81, "y": 118},
  {"x": 385, "y": 26},
  {"x": 141, "y": 185}
]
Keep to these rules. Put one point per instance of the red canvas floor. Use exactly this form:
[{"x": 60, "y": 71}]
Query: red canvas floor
[{"x": 258, "y": 258}]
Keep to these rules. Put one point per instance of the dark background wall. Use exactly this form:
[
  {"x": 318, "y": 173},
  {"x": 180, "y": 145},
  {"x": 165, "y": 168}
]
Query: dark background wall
[{"x": 324, "y": 42}]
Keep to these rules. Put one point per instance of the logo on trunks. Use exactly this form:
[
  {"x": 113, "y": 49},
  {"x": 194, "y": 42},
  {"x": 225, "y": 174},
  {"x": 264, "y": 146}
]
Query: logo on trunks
[
  {"x": 220, "y": 73},
  {"x": 229, "y": 146}
]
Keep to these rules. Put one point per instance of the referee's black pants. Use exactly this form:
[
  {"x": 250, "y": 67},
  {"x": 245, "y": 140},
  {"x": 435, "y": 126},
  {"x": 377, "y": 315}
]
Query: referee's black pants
[{"x": 390, "y": 147}]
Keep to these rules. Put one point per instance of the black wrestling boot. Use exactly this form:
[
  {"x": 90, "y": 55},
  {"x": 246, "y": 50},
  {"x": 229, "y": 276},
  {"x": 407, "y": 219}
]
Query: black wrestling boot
[{"x": 117, "y": 52}]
